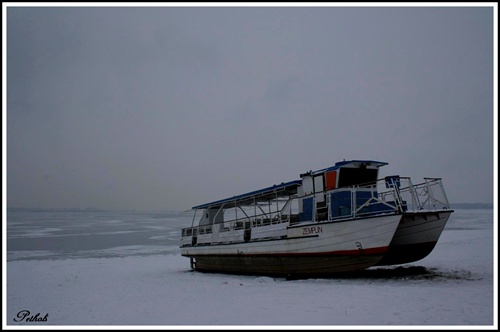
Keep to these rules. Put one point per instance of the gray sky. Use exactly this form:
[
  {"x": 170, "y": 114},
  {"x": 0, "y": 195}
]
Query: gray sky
[{"x": 168, "y": 108}]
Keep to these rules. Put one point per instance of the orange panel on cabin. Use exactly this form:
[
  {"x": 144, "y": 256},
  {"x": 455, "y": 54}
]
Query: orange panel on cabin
[{"x": 331, "y": 180}]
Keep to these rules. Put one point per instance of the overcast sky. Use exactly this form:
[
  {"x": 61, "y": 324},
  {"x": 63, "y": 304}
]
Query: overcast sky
[{"x": 158, "y": 108}]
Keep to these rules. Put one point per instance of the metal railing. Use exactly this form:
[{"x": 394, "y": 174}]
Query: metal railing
[{"x": 392, "y": 194}]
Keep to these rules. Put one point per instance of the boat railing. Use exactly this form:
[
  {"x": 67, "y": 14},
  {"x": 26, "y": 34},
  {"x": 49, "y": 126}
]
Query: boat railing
[
  {"x": 243, "y": 221},
  {"x": 388, "y": 195},
  {"x": 428, "y": 195},
  {"x": 355, "y": 202},
  {"x": 253, "y": 221}
]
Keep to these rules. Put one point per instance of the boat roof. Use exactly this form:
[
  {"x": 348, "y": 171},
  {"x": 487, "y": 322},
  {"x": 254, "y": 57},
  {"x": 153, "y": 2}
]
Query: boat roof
[
  {"x": 281, "y": 190},
  {"x": 353, "y": 162}
]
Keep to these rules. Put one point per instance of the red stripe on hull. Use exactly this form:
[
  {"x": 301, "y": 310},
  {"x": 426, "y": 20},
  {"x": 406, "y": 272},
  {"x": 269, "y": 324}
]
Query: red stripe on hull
[{"x": 356, "y": 252}]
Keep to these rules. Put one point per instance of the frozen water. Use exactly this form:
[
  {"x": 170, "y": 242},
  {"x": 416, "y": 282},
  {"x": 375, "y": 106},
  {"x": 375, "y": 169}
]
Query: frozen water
[{"x": 102, "y": 269}]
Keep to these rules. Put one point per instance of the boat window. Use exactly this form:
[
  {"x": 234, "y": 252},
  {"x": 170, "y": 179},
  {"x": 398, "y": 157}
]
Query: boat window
[
  {"x": 354, "y": 176},
  {"x": 319, "y": 187},
  {"x": 331, "y": 180},
  {"x": 307, "y": 185},
  {"x": 318, "y": 183}
]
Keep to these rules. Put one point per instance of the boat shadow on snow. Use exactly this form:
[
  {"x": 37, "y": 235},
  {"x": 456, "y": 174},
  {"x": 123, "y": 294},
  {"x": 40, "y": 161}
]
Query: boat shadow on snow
[
  {"x": 394, "y": 273},
  {"x": 410, "y": 273}
]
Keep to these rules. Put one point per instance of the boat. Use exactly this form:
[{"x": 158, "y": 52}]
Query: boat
[{"x": 336, "y": 220}]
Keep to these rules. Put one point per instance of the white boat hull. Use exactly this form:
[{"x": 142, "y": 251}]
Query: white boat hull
[
  {"x": 309, "y": 249},
  {"x": 415, "y": 237}
]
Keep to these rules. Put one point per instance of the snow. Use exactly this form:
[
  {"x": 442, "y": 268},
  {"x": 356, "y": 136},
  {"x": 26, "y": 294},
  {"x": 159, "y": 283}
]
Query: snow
[{"x": 150, "y": 285}]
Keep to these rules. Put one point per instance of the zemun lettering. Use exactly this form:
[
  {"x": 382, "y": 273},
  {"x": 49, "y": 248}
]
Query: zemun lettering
[{"x": 312, "y": 230}]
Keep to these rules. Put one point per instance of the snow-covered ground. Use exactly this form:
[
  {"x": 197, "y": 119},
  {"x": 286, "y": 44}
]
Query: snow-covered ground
[{"x": 109, "y": 270}]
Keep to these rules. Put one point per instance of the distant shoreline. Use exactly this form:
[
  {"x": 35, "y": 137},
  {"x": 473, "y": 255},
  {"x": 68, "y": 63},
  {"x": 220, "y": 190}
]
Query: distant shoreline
[
  {"x": 77, "y": 210},
  {"x": 453, "y": 206},
  {"x": 472, "y": 205}
]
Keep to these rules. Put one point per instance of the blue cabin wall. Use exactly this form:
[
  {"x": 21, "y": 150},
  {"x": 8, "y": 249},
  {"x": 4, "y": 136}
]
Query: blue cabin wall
[{"x": 307, "y": 209}]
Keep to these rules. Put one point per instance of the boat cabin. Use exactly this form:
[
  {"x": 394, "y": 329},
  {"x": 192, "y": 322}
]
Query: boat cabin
[{"x": 316, "y": 190}]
